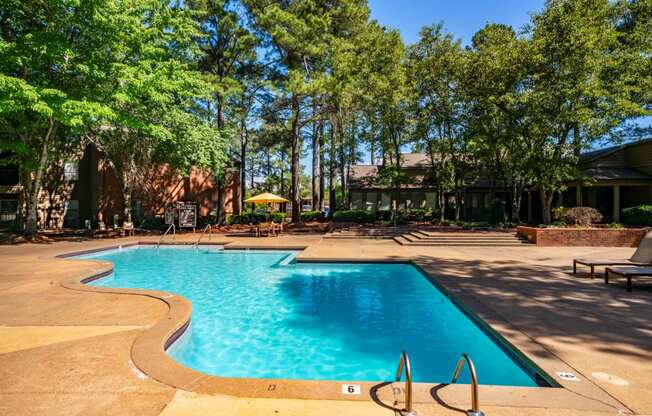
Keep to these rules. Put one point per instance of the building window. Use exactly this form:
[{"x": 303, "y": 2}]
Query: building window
[
  {"x": 9, "y": 175},
  {"x": 372, "y": 201},
  {"x": 417, "y": 200},
  {"x": 8, "y": 210},
  {"x": 71, "y": 171},
  {"x": 431, "y": 200},
  {"x": 356, "y": 200},
  {"x": 385, "y": 201}
]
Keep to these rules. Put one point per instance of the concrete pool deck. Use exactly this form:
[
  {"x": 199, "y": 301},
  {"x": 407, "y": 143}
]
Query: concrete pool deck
[{"x": 64, "y": 351}]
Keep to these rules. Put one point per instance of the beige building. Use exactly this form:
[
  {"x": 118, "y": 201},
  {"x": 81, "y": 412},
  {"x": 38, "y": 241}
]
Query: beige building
[{"x": 612, "y": 179}]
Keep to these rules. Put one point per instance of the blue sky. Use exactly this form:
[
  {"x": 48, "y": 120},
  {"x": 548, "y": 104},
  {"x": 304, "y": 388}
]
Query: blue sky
[{"x": 461, "y": 17}]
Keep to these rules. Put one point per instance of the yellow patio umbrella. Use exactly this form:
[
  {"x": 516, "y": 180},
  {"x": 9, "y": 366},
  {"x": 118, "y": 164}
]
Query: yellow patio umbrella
[{"x": 266, "y": 198}]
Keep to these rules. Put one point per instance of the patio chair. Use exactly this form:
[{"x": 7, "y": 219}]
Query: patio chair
[
  {"x": 627, "y": 272},
  {"x": 128, "y": 229},
  {"x": 642, "y": 257},
  {"x": 265, "y": 228}
]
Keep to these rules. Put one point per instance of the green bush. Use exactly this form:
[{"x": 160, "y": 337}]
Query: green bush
[
  {"x": 476, "y": 224},
  {"x": 419, "y": 215},
  {"x": 308, "y": 216},
  {"x": 277, "y": 217},
  {"x": 354, "y": 216},
  {"x": 638, "y": 216},
  {"x": 383, "y": 215},
  {"x": 151, "y": 223}
]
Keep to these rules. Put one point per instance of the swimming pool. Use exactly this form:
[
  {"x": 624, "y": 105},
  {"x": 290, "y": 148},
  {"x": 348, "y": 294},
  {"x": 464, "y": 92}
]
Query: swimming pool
[{"x": 257, "y": 314}]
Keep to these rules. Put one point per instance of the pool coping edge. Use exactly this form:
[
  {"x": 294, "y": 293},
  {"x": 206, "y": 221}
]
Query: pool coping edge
[{"x": 149, "y": 355}]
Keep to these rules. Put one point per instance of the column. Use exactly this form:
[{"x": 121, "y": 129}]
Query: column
[
  {"x": 529, "y": 206},
  {"x": 616, "y": 203},
  {"x": 578, "y": 194}
]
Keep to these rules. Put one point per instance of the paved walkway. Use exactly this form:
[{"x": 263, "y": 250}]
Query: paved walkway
[{"x": 69, "y": 352}]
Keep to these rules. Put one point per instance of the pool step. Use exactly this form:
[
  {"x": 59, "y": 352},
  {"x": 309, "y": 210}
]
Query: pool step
[{"x": 492, "y": 239}]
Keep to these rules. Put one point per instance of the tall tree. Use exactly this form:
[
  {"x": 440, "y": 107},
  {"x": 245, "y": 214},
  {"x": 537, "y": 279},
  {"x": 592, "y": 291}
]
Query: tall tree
[
  {"x": 51, "y": 83},
  {"x": 577, "y": 95}
]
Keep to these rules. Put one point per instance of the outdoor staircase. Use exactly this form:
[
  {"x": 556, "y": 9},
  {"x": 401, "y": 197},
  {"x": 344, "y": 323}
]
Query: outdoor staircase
[
  {"x": 380, "y": 233},
  {"x": 462, "y": 238}
]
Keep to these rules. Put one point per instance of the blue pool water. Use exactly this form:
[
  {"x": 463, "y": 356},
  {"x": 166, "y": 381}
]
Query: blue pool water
[{"x": 256, "y": 316}]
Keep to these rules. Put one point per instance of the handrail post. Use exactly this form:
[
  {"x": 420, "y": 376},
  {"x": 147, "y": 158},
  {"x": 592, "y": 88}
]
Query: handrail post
[
  {"x": 404, "y": 363},
  {"x": 208, "y": 228},
  {"x": 174, "y": 234},
  {"x": 475, "y": 401}
]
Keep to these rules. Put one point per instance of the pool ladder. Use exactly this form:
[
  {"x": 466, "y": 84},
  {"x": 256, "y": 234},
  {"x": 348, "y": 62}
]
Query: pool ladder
[
  {"x": 174, "y": 234},
  {"x": 404, "y": 364},
  {"x": 210, "y": 233}
]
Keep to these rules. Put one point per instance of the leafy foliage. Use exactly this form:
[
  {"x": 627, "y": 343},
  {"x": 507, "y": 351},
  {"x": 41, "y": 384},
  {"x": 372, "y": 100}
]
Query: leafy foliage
[{"x": 638, "y": 216}]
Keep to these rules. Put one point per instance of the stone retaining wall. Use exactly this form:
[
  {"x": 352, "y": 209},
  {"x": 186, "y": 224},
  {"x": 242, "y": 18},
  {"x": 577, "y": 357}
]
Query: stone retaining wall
[{"x": 583, "y": 237}]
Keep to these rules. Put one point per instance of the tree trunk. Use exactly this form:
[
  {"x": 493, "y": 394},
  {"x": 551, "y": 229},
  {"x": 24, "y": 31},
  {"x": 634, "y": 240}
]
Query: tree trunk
[
  {"x": 219, "y": 105},
  {"x": 315, "y": 158},
  {"x": 295, "y": 196},
  {"x": 458, "y": 205},
  {"x": 342, "y": 166},
  {"x": 441, "y": 197},
  {"x": 243, "y": 166},
  {"x": 517, "y": 196},
  {"x": 546, "y": 205},
  {"x": 332, "y": 167},
  {"x": 321, "y": 166},
  {"x": 31, "y": 225}
]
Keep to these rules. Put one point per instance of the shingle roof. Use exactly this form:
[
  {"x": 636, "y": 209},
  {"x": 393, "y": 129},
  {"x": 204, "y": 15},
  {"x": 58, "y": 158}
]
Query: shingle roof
[
  {"x": 415, "y": 160},
  {"x": 607, "y": 173},
  {"x": 596, "y": 154}
]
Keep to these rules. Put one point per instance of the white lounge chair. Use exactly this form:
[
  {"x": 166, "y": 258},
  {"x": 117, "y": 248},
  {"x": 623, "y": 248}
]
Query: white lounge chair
[{"x": 642, "y": 257}]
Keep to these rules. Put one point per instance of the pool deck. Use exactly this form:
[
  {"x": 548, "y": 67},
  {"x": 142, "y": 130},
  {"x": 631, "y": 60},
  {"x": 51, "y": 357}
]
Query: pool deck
[{"x": 66, "y": 351}]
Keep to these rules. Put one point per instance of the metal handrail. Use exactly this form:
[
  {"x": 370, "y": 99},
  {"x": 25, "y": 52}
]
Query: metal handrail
[
  {"x": 210, "y": 233},
  {"x": 475, "y": 401},
  {"x": 404, "y": 362},
  {"x": 174, "y": 234}
]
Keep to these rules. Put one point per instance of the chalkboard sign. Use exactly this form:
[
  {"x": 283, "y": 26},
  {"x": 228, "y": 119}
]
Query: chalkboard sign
[
  {"x": 188, "y": 216},
  {"x": 169, "y": 215}
]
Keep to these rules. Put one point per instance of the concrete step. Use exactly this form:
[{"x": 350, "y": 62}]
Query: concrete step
[
  {"x": 484, "y": 241},
  {"x": 357, "y": 237},
  {"x": 462, "y": 235}
]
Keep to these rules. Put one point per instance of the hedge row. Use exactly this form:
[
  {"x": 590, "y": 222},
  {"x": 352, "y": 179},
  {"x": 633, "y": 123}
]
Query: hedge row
[
  {"x": 638, "y": 216},
  {"x": 308, "y": 216},
  {"x": 255, "y": 218}
]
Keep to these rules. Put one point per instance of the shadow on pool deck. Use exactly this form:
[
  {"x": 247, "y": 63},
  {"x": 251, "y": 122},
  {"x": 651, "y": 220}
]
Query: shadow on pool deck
[{"x": 597, "y": 328}]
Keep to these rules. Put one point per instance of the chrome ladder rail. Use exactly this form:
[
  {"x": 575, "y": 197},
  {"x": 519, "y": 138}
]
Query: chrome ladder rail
[
  {"x": 210, "y": 233},
  {"x": 174, "y": 234},
  {"x": 475, "y": 401},
  {"x": 404, "y": 363}
]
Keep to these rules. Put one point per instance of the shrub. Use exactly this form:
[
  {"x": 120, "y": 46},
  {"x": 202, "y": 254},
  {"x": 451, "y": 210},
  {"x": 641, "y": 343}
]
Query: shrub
[
  {"x": 582, "y": 216},
  {"x": 558, "y": 214},
  {"x": 476, "y": 224},
  {"x": 640, "y": 215},
  {"x": 151, "y": 223},
  {"x": 383, "y": 215},
  {"x": 354, "y": 216},
  {"x": 311, "y": 216},
  {"x": 276, "y": 217},
  {"x": 419, "y": 215}
]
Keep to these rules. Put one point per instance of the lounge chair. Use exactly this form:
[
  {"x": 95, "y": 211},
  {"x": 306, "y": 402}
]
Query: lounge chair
[
  {"x": 642, "y": 257},
  {"x": 627, "y": 272}
]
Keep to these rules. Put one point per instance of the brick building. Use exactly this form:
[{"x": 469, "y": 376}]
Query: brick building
[{"x": 88, "y": 188}]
